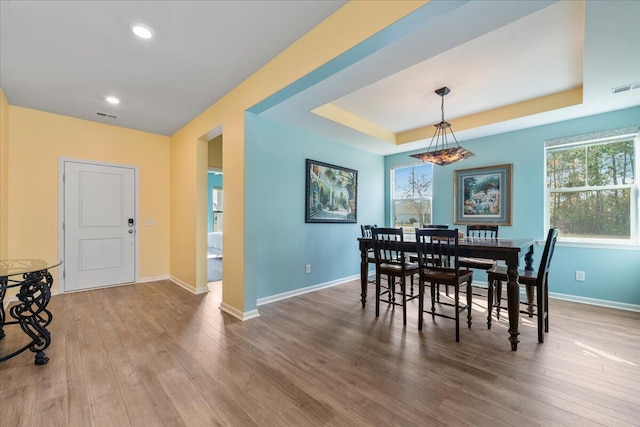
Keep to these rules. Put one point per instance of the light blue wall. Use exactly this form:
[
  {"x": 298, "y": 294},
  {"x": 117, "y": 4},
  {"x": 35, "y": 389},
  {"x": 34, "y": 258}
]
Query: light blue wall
[
  {"x": 213, "y": 181},
  {"x": 611, "y": 274},
  {"x": 278, "y": 242}
]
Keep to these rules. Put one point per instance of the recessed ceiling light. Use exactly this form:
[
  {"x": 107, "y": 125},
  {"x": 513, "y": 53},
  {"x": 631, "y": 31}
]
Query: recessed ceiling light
[
  {"x": 112, "y": 100},
  {"x": 142, "y": 31}
]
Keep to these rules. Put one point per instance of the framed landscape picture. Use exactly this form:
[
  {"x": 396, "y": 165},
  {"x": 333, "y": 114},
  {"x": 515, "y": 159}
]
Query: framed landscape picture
[
  {"x": 331, "y": 193},
  {"x": 483, "y": 195}
]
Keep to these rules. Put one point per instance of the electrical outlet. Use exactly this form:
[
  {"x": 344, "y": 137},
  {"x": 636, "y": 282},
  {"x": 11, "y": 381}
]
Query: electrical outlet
[
  {"x": 580, "y": 276},
  {"x": 307, "y": 268}
]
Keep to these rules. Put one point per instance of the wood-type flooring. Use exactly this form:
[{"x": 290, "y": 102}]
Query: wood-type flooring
[{"x": 155, "y": 355}]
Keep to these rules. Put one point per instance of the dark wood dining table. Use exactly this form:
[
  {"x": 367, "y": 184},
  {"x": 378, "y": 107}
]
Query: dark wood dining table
[{"x": 509, "y": 250}]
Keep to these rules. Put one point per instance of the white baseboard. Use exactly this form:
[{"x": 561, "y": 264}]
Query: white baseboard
[
  {"x": 237, "y": 313},
  {"x": 153, "y": 278},
  {"x": 186, "y": 286},
  {"x": 595, "y": 301},
  {"x": 296, "y": 292},
  {"x": 224, "y": 307}
]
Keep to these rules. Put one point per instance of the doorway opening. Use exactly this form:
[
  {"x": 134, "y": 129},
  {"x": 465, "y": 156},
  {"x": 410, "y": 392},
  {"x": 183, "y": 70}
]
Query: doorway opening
[
  {"x": 215, "y": 225},
  {"x": 215, "y": 209}
]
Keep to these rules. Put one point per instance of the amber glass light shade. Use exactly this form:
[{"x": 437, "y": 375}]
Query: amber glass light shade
[
  {"x": 441, "y": 154},
  {"x": 445, "y": 156}
]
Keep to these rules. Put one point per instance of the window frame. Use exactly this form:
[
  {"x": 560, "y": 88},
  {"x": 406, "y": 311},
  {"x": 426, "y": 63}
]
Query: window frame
[
  {"x": 607, "y": 137},
  {"x": 393, "y": 200}
]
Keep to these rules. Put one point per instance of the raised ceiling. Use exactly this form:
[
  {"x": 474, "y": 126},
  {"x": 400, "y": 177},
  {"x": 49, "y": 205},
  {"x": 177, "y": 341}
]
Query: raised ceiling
[
  {"x": 509, "y": 65},
  {"x": 536, "y": 55}
]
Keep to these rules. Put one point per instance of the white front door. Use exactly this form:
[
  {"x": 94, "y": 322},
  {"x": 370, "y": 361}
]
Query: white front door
[{"x": 99, "y": 225}]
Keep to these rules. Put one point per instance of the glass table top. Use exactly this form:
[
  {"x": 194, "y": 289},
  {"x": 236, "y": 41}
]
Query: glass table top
[{"x": 12, "y": 267}]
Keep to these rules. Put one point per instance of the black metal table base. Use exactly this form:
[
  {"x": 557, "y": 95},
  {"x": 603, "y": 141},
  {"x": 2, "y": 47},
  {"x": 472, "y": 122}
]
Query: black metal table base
[{"x": 30, "y": 313}]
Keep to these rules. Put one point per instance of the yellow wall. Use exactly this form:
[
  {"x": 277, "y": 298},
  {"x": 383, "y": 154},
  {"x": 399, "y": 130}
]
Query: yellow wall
[
  {"x": 4, "y": 175},
  {"x": 36, "y": 142},
  {"x": 215, "y": 153},
  {"x": 350, "y": 25}
]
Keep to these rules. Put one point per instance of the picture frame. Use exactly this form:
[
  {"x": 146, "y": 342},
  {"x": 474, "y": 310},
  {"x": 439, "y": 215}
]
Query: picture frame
[
  {"x": 483, "y": 195},
  {"x": 331, "y": 193}
]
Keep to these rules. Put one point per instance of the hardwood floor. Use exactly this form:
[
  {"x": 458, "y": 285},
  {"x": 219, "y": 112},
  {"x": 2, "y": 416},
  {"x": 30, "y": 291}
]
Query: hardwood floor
[{"x": 154, "y": 355}]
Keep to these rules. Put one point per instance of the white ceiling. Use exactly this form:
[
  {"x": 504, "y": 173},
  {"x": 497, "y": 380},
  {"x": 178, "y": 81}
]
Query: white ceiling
[{"x": 64, "y": 57}]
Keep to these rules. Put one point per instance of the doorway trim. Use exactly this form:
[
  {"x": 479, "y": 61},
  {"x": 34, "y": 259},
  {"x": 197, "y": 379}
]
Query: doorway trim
[{"x": 61, "y": 231}]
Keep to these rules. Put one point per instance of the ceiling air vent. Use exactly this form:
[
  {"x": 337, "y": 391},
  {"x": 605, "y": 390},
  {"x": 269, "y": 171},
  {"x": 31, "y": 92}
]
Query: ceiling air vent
[
  {"x": 109, "y": 116},
  {"x": 625, "y": 88}
]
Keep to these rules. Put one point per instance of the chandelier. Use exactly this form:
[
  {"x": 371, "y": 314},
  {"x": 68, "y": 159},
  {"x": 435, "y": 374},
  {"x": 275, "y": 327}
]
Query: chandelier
[{"x": 441, "y": 155}]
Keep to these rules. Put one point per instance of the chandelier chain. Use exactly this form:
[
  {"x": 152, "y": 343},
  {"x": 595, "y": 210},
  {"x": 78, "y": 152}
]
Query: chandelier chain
[{"x": 442, "y": 154}]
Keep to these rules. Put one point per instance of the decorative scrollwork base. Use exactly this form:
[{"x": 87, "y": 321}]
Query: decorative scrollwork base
[
  {"x": 31, "y": 312},
  {"x": 3, "y": 290},
  {"x": 41, "y": 359}
]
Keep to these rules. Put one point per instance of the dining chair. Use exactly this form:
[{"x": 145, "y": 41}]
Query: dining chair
[
  {"x": 534, "y": 281},
  {"x": 433, "y": 244},
  {"x": 365, "y": 229},
  {"x": 438, "y": 260},
  {"x": 481, "y": 232},
  {"x": 392, "y": 262}
]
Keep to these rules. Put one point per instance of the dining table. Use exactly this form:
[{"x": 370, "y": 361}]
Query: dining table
[
  {"x": 32, "y": 281},
  {"x": 508, "y": 250}
]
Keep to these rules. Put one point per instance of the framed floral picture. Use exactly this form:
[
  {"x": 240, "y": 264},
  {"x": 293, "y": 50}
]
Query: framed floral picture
[
  {"x": 331, "y": 193},
  {"x": 483, "y": 195}
]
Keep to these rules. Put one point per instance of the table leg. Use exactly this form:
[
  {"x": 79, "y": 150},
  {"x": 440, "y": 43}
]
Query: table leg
[
  {"x": 364, "y": 276},
  {"x": 32, "y": 315},
  {"x": 3, "y": 290},
  {"x": 528, "y": 258},
  {"x": 513, "y": 301}
]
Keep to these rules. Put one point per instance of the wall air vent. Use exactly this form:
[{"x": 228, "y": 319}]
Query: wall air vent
[
  {"x": 625, "y": 88},
  {"x": 109, "y": 116}
]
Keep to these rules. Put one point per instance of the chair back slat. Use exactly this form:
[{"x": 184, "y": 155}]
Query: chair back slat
[
  {"x": 483, "y": 231},
  {"x": 441, "y": 226},
  {"x": 435, "y": 244},
  {"x": 384, "y": 245},
  {"x": 547, "y": 254},
  {"x": 366, "y": 230}
]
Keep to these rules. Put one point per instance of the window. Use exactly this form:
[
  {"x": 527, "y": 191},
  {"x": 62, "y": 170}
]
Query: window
[
  {"x": 592, "y": 186},
  {"x": 411, "y": 196}
]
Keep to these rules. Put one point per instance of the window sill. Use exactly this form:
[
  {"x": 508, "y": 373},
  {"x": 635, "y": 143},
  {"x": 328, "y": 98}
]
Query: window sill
[{"x": 595, "y": 244}]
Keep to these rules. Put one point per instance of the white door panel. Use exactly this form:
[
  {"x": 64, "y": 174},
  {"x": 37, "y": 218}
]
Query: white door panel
[{"x": 99, "y": 241}]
